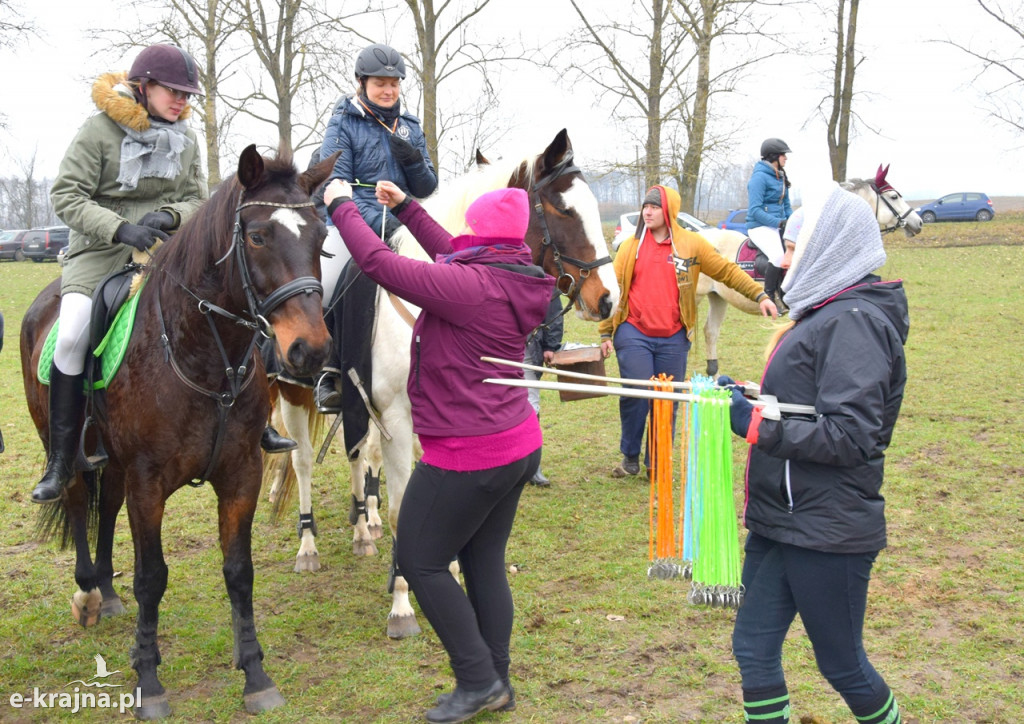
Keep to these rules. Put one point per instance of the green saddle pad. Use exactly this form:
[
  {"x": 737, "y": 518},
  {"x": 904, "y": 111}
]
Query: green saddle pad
[{"x": 110, "y": 351}]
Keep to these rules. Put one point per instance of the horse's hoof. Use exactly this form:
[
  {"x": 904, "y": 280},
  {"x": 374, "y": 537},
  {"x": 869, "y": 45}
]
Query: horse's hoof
[
  {"x": 263, "y": 700},
  {"x": 87, "y": 607},
  {"x": 401, "y": 627},
  {"x": 376, "y": 532},
  {"x": 307, "y": 562},
  {"x": 112, "y": 607},
  {"x": 152, "y": 707},
  {"x": 363, "y": 548}
]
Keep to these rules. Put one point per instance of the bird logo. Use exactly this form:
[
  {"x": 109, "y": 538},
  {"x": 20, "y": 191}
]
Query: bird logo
[{"x": 101, "y": 673}]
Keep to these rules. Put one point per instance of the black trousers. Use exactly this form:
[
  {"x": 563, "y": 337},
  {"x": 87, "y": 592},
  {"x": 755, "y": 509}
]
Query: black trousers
[{"x": 469, "y": 515}]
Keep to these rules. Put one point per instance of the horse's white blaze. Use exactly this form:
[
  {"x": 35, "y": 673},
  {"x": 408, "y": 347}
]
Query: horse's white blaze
[
  {"x": 289, "y": 219},
  {"x": 581, "y": 199}
]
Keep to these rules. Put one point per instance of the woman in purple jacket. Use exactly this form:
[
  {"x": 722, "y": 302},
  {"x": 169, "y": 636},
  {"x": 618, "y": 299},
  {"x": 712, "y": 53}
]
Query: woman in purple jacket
[{"x": 481, "y": 443}]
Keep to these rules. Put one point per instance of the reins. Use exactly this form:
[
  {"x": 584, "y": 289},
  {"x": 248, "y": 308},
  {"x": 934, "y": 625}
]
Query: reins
[{"x": 238, "y": 376}]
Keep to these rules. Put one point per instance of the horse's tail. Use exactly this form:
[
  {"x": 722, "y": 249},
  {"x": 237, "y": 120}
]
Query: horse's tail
[
  {"x": 278, "y": 472},
  {"x": 54, "y": 523}
]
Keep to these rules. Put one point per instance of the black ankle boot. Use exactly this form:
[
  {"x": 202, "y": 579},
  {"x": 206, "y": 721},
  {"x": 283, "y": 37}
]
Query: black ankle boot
[
  {"x": 326, "y": 395},
  {"x": 461, "y": 704},
  {"x": 509, "y": 705},
  {"x": 274, "y": 442},
  {"x": 67, "y": 402}
]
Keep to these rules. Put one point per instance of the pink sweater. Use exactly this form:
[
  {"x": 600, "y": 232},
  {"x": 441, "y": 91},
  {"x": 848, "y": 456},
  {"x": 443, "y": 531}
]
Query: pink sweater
[{"x": 480, "y": 452}]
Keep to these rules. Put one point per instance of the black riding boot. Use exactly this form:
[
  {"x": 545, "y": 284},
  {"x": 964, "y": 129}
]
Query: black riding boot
[
  {"x": 67, "y": 403},
  {"x": 772, "y": 278},
  {"x": 327, "y": 389},
  {"x": 540, "y": 479},
  {"x": 274, "y": 442}
]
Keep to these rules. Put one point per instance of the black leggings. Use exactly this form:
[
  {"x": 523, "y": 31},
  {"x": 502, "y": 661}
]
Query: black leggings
[{"x": 447, "y": 514}]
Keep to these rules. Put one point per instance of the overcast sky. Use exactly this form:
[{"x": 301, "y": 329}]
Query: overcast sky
[{"x": 920, "y": 95}]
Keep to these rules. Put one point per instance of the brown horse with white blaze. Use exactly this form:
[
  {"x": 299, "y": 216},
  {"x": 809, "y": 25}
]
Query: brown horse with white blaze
[{"x": 190, "y": 399}]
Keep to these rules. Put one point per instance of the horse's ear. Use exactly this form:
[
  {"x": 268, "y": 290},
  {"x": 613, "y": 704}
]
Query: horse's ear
[
  {"x": 557, "y": 150},
  {"x": 480, "y": 160},
  {"x": 250, "y": 166},
  {"x": 880, "y": 175},
  {"x": 315, "y": 175}
]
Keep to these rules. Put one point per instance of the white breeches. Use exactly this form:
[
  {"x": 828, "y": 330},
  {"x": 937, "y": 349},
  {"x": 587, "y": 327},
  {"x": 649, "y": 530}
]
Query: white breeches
[
  {"x": 73, "y": 333},
  {"x": 330, "y": 269},
  {"x": 767, "y": 239}
]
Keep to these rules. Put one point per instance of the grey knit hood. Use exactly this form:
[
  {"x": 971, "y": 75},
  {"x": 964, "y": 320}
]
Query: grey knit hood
[{"x": 838, "y": 245}]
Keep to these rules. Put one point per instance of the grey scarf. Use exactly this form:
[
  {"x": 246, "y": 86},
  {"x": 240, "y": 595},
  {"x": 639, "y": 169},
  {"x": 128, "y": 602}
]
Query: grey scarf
[
  {"x": 153, "y": 153},
  {"x": 839, "y": 244}
]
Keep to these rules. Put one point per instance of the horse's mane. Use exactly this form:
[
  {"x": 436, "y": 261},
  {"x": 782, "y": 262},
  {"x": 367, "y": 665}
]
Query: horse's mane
[
  {"x": 206, "y": 237},
  {"x": 856, "y": 184},
  {"x": 448, "y": 205}
]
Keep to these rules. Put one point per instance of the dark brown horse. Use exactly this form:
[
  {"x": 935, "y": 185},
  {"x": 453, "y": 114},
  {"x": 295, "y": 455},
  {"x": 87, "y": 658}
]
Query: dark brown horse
[{"x": 190, "y": 400}]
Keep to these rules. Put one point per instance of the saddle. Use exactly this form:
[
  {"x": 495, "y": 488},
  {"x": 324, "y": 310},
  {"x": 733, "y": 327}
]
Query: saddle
[{"x": 751, "y": 260}]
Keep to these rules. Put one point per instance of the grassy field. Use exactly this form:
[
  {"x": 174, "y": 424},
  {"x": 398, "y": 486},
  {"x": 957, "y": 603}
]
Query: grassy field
[{"x": 594, "y": 639}]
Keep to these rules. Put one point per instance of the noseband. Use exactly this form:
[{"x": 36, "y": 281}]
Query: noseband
[
  {"x": 563, "y": 168},
  {"x": 901, "y": 219}
]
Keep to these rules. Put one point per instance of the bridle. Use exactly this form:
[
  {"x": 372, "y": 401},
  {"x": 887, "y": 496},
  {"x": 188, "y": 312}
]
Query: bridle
[
  {"x": 562, "y": 168},
  {"x": 238, "y": 376},
  {"x": 901, "y": 219}
]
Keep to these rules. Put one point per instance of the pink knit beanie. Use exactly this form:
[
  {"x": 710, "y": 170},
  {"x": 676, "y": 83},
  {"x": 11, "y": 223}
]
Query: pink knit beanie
[{"x": 502, "y": 214}]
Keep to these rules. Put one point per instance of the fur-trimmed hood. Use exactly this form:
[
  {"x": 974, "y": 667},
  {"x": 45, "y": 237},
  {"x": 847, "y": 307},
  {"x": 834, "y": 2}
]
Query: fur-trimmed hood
[{"x": 113, "y": 96}]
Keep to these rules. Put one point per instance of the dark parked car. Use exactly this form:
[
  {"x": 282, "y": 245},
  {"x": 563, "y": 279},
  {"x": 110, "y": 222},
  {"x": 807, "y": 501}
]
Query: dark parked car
[
  {"x": 735, "y": 221},
  {"x": 962, "y": 206},
  {"x": 43, "y": 244},
  {"x": 10, "y": 244}
]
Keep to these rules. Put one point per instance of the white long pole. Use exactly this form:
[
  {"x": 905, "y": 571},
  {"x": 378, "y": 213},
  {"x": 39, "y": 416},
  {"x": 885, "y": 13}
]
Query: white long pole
[
  {"x": 766, "y": 401},
  {"x": 584, "y": 376}
]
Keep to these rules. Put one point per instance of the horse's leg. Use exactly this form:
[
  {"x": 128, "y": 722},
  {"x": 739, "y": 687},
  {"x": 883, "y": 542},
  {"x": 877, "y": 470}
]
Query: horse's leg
[
  {"x": 236, "y": 507},
  {"x": 362, "y": 536},
  {"x": 296, "y": 422},
  {"x": 87, "y": 601},
  {"x": 398, "y": 459},
  {"x": 111, "y": 500},
  {"x": 712, "y": 327},
  {"x": 372, "y": 456},
  {"x": 145, "y": 514},
  {"x": 275, "y": 467}
]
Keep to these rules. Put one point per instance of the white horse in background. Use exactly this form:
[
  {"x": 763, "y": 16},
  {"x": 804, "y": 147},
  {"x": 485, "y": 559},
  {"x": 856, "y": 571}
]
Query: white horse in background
[
  {"x": 566, "y": 238},
  {"x": 891, "y": 211}
]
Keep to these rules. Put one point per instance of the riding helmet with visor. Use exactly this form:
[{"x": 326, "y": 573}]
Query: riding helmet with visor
[
  {"x": 169, "y": 66},
  {"x": 381, "y": 61},
  {"x": 772, "y": 148}
]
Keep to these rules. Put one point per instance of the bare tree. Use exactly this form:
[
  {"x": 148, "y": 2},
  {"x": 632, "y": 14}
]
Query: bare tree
[
  {"x": 1003, "y": 61},
  {"x": 843, "y": 72},
  {"x": 446, "y": 46},
  {"x": 707, "y": 23},
  {"x": 302, "y": 49},
  {"x": 647, "y": 84}
]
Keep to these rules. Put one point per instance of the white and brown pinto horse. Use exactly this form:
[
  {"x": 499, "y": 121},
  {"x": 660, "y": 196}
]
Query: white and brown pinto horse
[
  {"x": 891, "y": 211},
  {"x": 566, "y": 239}
]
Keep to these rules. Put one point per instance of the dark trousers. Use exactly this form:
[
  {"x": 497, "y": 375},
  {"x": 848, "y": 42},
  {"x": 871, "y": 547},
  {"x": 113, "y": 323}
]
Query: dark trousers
[
  {"x": 829, "y": 591},
  {"x": 641, "y": 357},
  {"x": 469, "y": 515}
]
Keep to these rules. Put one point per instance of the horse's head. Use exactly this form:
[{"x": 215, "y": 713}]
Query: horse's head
[
  {"x": 565, "y": 229},
  {"x": 276, "y": 246},
  {"x": 891, "y": 210}
]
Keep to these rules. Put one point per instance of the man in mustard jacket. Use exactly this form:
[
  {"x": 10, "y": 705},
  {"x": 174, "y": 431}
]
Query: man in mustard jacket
[{"x": 652, "y": 329}]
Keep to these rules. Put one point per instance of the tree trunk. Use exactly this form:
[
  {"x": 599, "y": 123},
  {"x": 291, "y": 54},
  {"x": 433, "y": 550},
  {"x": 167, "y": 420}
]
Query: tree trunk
[{"x": 842, "y": 89}]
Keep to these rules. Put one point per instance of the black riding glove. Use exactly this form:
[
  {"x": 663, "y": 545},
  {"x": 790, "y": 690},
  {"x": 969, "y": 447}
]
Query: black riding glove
[
  {"x": 404, "y": 152},
  {"x": 163, "y": 220},
  {"x": 141, "y": 237}
]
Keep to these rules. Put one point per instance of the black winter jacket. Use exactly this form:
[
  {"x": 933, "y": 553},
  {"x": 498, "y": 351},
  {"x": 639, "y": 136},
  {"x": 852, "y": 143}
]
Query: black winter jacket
[{"x": 816, "y": 482}]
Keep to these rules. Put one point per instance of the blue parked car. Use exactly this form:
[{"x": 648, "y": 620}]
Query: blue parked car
[
  {"x": 735, "y": 221},
  {"x": 961, "y": 206}
]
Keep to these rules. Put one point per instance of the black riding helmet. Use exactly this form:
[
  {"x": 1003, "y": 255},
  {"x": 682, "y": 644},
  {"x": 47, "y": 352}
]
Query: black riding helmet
[
  {"x": 167, "y": 65},
  {"x": 380, "y": 60},
  {"x": 772, "y": 148}
]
